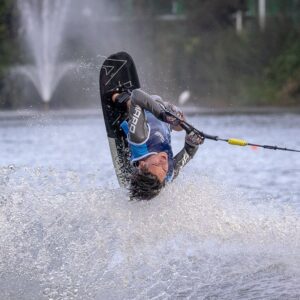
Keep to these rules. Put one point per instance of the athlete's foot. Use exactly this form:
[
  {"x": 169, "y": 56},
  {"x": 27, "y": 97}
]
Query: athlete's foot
[{"x": 114, "y": 97}]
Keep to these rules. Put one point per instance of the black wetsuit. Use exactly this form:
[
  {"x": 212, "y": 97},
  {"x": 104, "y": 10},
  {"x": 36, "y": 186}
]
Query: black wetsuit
[{"x": 147, "y": 134}]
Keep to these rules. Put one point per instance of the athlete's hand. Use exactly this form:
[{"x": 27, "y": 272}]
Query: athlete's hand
[
  {"x": 193, "y": 139},
  {"x": 121, "y": 100},
  {"x": 173, "y": 121}
]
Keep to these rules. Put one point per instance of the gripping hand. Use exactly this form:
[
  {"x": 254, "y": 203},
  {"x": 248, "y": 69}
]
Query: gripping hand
[
  {"x": 194, "y": 139},
  {"x": 173, "y": 121},
  {"x": 121, "y": 100}
]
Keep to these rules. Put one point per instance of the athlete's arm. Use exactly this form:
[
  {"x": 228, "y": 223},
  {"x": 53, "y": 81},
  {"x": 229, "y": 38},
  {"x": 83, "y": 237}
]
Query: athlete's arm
[
  {"x": 157, "y": 107},
  {"x": 191, "y": 145},
  {"x": 139, "y": 101},
  {"x": 154, "y": 104}
]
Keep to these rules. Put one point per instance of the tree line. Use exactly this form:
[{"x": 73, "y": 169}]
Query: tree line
[
  {"x": 201, "y": 51},
  {"x": 9, "y": 50}
]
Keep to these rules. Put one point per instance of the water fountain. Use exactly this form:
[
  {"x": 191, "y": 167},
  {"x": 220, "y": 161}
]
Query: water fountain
[{"x": 43, "y": 23}]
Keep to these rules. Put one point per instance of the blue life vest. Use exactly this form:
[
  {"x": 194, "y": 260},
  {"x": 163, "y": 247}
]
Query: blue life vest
[{"x": 159, "y": 140}]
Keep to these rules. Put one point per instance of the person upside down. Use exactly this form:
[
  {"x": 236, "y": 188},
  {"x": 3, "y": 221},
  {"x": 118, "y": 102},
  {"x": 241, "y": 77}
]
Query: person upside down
[{"x": 148, "y": 130}]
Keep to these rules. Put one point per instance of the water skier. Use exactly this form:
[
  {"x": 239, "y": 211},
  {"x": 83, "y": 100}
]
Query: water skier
[{"x": 148, "y": 131}]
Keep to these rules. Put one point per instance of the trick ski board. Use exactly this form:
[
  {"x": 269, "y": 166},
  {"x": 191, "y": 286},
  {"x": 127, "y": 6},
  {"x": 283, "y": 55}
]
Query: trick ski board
[{"x": 118, "y": 70}]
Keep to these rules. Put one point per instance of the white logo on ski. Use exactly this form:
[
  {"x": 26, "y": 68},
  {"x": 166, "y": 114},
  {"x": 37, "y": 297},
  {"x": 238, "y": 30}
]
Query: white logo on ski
[
  {"x": 107, "y": 69},
  {"x": 110, "y": 68},
  {"x": 127, "y": 84}
]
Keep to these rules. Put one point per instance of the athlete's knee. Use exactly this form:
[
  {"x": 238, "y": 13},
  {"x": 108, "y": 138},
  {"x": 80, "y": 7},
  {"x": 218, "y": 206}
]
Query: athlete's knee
[{"x": 138, "y": 134}]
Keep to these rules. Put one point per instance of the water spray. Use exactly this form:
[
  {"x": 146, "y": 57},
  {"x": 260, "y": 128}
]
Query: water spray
[{"x": 43, "y": 25}]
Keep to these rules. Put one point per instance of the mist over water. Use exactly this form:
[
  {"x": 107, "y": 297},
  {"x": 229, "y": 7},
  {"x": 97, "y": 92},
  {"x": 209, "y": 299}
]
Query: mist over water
[
  {"x": 42, "y": 24},
  {"x": 65, "y": 44},
  {"x": 67, "y": 231}
]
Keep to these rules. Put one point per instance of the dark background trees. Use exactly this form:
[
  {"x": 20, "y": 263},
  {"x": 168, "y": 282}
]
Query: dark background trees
[
  {"x": 179, "y": 45},
  {"x": 9, "y": 50}
]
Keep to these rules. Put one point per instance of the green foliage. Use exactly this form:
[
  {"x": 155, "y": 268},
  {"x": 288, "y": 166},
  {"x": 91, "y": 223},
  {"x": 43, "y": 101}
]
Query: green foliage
[
  {"x": 253, "y": 68},
  {"x": 8, "y": 48},
  {"x": 281, "y": 77},
  {"x": 7, "y": 32},
  {"x": 287, "y": 64}
]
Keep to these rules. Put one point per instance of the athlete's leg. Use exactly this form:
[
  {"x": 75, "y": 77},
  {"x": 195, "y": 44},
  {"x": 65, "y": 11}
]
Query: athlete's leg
[{"x": 138, "y": 126}]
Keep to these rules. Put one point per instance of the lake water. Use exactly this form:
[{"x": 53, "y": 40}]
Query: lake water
[{"x": 227, "y": 228}]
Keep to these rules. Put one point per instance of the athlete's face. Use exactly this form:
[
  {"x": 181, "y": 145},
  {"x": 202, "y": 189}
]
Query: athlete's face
[{"x": 156, "y": 164}]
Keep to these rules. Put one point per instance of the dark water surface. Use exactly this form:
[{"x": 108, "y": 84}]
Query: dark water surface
[{"x": 227, "y": 228}]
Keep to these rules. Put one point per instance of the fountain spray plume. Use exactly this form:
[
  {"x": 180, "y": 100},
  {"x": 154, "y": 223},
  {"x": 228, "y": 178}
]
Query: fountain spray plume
[{"x": 43, "y": 26}]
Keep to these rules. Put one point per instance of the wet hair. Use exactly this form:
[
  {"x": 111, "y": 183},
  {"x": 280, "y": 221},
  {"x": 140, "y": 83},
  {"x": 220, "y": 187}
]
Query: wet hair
[{"x": 144, "y": 185}]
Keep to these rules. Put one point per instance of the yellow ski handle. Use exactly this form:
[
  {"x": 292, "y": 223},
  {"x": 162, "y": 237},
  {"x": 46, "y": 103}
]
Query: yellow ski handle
[{"x": 237, "y": 142}]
